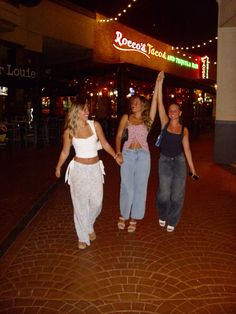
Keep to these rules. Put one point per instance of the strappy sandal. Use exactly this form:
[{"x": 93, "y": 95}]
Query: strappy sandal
[
  {"x": 121, "y": 223},
  {"x": 132, "y": 226},
  {"x": 92, "y": 236},
  {"x": 82, "y": 245}
]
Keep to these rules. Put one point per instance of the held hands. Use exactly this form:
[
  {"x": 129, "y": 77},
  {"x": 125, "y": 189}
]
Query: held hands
[{"x": 119, "y": 158}]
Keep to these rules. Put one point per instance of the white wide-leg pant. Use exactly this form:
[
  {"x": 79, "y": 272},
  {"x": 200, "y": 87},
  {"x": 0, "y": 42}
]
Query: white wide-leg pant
[{"x": 86, "y": 189}]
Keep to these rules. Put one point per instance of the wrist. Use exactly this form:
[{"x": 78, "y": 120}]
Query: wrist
[{"x": 116, "y": 155}]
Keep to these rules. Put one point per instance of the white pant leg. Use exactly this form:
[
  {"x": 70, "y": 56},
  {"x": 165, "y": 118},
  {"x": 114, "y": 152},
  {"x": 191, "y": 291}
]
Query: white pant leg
[
  {"x": 86, "y": 187},
  {"x": 95, "y": 195}
]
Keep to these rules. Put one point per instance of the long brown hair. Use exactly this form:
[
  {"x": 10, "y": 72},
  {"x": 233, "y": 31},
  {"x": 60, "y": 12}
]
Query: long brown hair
[{"x": 146, "y": 110}]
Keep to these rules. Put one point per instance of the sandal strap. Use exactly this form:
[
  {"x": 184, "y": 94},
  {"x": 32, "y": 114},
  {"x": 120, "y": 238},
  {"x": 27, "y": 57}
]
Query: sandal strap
[
  {"x": 121, "y": 218},
  {"x": 132, "y": 226},
  {"x": 121, "y": 223}
]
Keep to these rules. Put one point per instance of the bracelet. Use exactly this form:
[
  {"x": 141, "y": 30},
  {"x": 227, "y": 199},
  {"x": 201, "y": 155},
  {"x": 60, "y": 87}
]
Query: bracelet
[{"x": 116, "y": 155}]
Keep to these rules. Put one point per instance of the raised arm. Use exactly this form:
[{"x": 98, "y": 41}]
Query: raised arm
[
  {"x": 161, "y": 109},
  {"x": 153, "y": 109}
]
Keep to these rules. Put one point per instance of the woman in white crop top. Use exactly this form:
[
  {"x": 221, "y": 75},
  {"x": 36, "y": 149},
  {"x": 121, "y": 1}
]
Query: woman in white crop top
[{"x": 85, "y": 171}]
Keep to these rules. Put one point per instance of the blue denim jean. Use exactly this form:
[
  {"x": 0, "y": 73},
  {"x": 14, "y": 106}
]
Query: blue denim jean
[
  {"x": 134, "y": 172},
  {"x": 171, "y": 188}
]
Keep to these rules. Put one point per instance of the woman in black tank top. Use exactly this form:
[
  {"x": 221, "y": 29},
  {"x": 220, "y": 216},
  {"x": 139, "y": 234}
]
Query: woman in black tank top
[{"x": 174, "y": 151}]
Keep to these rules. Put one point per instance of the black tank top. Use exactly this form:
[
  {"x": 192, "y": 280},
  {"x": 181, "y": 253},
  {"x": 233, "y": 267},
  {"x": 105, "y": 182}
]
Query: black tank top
[{"x": 171, "y": 143}]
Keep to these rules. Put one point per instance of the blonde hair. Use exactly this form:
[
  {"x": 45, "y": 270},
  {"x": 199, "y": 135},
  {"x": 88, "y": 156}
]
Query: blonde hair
[
  {"x": 71, "y": 121},
  {"x": 146, "y": 110}
]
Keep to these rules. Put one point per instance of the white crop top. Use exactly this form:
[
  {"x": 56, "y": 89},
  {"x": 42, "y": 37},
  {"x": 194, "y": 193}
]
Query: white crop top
[{"x": 86, "y": 147}]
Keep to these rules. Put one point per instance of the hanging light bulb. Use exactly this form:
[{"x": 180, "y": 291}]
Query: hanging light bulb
[{"x": 118, "y": 15}]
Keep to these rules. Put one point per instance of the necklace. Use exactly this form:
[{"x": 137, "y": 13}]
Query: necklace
[{"x": 82, "y": 126}]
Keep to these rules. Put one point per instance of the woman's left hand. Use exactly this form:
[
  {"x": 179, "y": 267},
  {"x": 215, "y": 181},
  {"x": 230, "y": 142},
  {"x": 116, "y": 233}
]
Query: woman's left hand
[{"x": 119, "y": 159}]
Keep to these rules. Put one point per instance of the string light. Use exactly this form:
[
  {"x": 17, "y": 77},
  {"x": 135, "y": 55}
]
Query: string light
[
  {"x": 210, "y": 41},
  {"x": 191, "y": 47},
  {"x": 194, "y": 47},
  {"x": 118, "y": 15}
]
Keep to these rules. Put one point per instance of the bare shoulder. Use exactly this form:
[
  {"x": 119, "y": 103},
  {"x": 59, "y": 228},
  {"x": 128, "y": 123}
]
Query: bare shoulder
[
  {"x": 125, "y": 117},
  {"x": 67, "y": 137},
  {"x": 96, "y": 124},
  {"x": 124, "y": 120},
  {"x": 66, "y": 132}
]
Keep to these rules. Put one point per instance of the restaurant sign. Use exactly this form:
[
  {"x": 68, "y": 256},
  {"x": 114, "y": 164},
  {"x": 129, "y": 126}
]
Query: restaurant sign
[
  {"x": 17, "y": 72},
  {"x": 205, "y": 67},
  {"x": 117, "y": 43},
  {"x": 126, "y": 44}
]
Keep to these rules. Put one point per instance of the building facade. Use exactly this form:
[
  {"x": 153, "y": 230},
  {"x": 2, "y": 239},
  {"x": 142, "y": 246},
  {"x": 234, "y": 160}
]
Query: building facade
[{"x": 53, "y": 51}]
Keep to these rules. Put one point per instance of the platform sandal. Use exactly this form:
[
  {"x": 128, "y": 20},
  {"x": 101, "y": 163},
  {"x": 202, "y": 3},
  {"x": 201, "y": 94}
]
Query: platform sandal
[
  {"x": 92, "y": 236},
  {"x": 162, "y": 223},
  {"x": 121, "y": 223},
  {"x": 170, "y": 228},
  {"x": 132, "y": 226},
  {"x": 82, "y": 245}
]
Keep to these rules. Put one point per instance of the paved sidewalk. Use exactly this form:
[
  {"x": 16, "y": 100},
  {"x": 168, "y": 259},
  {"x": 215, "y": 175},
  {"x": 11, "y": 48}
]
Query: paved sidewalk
[
  {"x": 192, "y": 270},
  {"x": 27, "y": 176}
]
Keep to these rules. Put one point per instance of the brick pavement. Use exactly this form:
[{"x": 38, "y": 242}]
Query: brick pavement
[
  {"x": 27, "y": 174},
  {"x": 151, "y": 271}
]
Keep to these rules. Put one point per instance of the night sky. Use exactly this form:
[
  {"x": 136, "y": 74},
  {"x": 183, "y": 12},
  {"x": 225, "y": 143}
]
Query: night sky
[
  {"x": 182, "y": 23},
  {"x": 176, "y": 22}
]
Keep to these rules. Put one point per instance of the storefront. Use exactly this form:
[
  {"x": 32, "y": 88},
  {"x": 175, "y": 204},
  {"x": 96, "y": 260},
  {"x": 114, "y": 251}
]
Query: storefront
[
  {"x": 18, "y": 81},
  {"x": 125, "y": 62},
  {"x": 113, "y": 63}
]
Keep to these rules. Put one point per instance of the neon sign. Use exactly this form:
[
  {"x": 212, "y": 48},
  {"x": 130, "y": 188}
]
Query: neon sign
[
  {"x": 154, "y": 52},
  {"x": 129, "y": 45},
  {"x": 132, "y": 45},
  {"x": 182, "y": 62},
  {"x": 205, "y": 67},
  {"x": 124, "y": 44}
]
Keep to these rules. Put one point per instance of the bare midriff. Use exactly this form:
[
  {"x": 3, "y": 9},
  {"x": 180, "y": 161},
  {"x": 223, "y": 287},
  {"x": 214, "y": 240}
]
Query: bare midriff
[
  {"x": 87, "y": 161},
  {"x": 135, "y": 145}
]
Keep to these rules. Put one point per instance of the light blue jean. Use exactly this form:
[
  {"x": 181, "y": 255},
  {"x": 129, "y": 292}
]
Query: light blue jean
[
  {"x": 171, "y": 188},
  {"x": 135, "y": 172}
]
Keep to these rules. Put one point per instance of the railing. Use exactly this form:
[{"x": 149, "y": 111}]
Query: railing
[{"x": 43, "y": 131}]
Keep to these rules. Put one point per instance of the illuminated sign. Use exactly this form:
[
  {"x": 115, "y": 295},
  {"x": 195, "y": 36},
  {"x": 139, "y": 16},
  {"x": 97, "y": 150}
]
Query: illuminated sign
[
  {"x": 205, "y": 67},
  {"x": 10, "y": 70},
  {"x": 126, "y": 44},
  {"x": 129, "y": 45},
  {"x": 3, "y": 90},
  {"x": 119, "y": 44},
  {"x": 182, "y": 62}
]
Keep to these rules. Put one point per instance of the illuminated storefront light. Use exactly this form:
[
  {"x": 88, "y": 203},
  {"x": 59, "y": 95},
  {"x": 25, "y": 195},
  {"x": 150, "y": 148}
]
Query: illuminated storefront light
[
  {"x": 127, "y": 44},
  {"x": 205, "y": 67}
]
